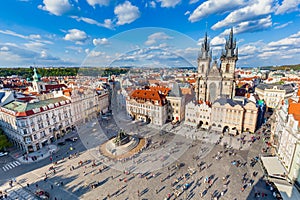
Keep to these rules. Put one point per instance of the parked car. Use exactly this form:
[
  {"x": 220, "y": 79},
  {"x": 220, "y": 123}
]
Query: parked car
[
  {"x": 71, "y": 139},
  {"x": 61, "y": 143},
  {"x": 3, "y": 154}
]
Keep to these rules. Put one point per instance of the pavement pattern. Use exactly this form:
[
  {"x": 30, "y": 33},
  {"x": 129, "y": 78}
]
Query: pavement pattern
[{"x": 172, "y": 167}]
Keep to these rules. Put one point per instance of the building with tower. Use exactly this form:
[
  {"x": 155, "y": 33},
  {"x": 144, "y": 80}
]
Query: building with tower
[
  {"x": 215, "y": 90},
  {"x": 40, "y": 87},
  {"x": 213, "y": 81}
]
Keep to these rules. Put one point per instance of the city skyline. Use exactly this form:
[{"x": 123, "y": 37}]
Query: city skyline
[{"x": 80, "y": 33}]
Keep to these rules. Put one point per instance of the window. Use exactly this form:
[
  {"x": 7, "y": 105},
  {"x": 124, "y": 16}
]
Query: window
[
  {"x": 227, "y": 68},
  {"x": 35, "y": 137},
  {"x": 23, "y": 124},
  {"x": 42, "y": 134},
  {"x": 24, "y": 131},
  {"x": 28, "y": 140}
]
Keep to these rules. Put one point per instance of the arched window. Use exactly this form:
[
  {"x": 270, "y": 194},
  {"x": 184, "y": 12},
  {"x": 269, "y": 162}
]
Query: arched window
[
  {"x": 227, "y": 68},
  {"x": 202, "y": 68}
]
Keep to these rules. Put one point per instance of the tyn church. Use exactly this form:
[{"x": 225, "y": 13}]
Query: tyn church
[{"x": 213, "y": 81}]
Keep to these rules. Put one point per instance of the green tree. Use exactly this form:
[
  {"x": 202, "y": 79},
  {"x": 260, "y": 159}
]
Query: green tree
[{"x": 4, "y": 142}]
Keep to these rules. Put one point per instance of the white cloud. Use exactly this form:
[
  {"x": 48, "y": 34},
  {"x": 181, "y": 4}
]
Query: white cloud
[
  {"x": 12, "y": 33},
  {"x": 4, "y": 48},
  {"x": 217, "y": 41},
  {"x": 107, "y": 22},
  {"x": 95, "y": 53},
  {"x": 187, "y": 12},
  {"x": 43, "y": 54},
  {"x": 34, "y": 45},
  {"x": 18, "y": 56},
  {"x": 288, "y": 6},
  {"x": 126, "y": 13},
  {"x": 251, "y": 48},
  {"x": 193, "y": 1},
  {"x": 252, "y": 11},
  {"x": 155, "y": 37},
  {"x": 169, "y": 3},
  {"x": 283, "y": 25},
  {"x": 75, "y": 48},
  {"x": 57, "y": 7},
  {"x": 214, "y": 7},
  {"x": 98, "y": 2},
  {"x": 253, "y": 26},
  {"x": 100, "y": 41},
  {"x": 152, "y": 4},
  {"x": 291, "y": 41},
  {"x": 76, "y": 36}
]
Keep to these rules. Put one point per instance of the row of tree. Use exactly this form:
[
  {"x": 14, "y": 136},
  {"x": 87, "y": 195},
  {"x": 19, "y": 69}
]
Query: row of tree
[{"x": 63, "y": 71}]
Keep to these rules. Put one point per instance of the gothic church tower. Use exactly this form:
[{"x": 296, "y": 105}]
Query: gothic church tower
[
  {"x": 228, "y": 63},
  {"x": 204, "y": 61}
]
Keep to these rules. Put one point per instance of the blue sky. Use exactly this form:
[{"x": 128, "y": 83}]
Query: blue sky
[{"x": 145, "y": 32}]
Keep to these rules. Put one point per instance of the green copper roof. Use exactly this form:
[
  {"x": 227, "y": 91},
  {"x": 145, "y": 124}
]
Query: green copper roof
[{"x": 18, "y": 106}]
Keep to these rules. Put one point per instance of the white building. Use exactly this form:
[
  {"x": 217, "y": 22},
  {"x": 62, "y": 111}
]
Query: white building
[
  {"x": 88, "y": 103},
  {"x": 32, "y": 125},
  {"x": 198, "y": 115},
  {"x": 274, "y": 94},
  {"x": 287, "y": 134}
]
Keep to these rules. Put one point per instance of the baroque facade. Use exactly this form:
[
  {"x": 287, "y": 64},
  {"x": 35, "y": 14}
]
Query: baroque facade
[
  {"x": 213, "y": 82},
  {"x": 286, "y": 137},
  {"x": 273, "y": 94},
  {"x": 32, "y": 124},
  {"x": 147, "y": 105}
]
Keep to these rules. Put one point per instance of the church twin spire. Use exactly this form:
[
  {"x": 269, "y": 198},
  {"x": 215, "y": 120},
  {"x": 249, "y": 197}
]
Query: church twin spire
[
  {"x": 205, "y": 50},
  {"x": 230, "y": 46}
]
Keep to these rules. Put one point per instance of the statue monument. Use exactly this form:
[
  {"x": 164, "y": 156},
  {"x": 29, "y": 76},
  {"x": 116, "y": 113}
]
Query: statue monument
[{"x": 122, "y": 138}]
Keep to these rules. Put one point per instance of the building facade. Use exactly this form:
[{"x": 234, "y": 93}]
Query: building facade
[
  {"x": 229, "y": 116},
  {"x": 32, "y": 125},
  {"x": 198, "y": 115},
  {"x": 176, "y": 104},
  {"x": 88, "y": 103},
  {"x": 274, "y": 94},
  {"x": 287, "y": 137},
  {"x": 147, "y": 105}
]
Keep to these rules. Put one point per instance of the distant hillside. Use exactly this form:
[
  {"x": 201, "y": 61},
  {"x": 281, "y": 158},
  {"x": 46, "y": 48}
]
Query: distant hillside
[{"x": 283, "y": 67}]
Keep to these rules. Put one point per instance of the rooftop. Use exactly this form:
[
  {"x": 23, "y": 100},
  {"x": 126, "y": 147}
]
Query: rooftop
[{"x": 24, "y": 108}]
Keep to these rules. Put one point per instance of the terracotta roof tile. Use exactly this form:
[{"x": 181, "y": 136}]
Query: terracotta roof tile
[{"x": 148, "y": 95}]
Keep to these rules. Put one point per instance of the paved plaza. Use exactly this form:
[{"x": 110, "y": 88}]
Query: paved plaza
[{"x": 173, "y": 166}]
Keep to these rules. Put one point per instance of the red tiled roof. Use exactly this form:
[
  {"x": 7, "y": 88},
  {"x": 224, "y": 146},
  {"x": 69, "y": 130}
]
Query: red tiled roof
[
  {"x": 163, "y": 90},
  {"x": 56, "y": 86},
  {"x": 26, "y": 99},
  {"x": 294, "y": 109},
  {"x": 191, "y": 81},
  {"x": 150, "y": 95}
]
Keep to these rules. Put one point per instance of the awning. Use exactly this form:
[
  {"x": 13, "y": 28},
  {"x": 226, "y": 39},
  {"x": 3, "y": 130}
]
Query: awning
[
  {"x": 288, "y": 192},
  {"x": 274, "y": 167}
]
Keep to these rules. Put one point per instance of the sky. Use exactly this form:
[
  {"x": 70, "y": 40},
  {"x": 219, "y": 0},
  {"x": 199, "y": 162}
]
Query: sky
[{"x": 157, "y": 33}]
